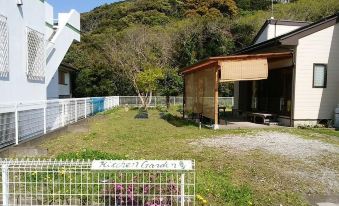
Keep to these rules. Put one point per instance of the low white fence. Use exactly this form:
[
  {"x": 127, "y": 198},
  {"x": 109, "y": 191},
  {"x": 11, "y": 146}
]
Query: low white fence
[
  {"x": 23, "y": 121},
  {"x": 106, "y": 183},
  {"x": 161, "y": 101}
]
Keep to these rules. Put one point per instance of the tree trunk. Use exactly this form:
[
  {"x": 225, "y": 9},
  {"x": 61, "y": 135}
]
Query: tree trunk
[
  {"x": 146, "y": 99},
  {"x": 149, "y": 100},
  {"x": 141, "y": 99}
]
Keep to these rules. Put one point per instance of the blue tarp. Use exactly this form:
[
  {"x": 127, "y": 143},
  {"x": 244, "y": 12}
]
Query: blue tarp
[{"x": 98, "y": 104}]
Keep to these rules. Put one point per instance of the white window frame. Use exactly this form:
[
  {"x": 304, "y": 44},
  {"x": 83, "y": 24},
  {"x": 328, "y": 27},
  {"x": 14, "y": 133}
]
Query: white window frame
[{"x": 325, "y": 76}]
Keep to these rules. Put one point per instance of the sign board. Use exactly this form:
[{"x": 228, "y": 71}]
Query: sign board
[{"x": 142, "y": 165}]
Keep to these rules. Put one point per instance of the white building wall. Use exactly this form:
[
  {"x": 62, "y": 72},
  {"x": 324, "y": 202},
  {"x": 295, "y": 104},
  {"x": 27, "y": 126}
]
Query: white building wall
[
  {"x": 37, "y": 15},
  {"x": 62, "y": 40},
  {"x": 317, "y": 103},
  {"x": 53, "y": 87},
  {"x": 263, "y": 36},
  {"x": 65, "y": 89},
  {"x": 272, "y": 31},
  {"x": 49, "y": 20},
  {"x": 17, "y": 87}
]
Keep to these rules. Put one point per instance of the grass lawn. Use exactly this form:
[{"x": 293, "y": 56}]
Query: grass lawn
[{"x": 223, "y": 178}]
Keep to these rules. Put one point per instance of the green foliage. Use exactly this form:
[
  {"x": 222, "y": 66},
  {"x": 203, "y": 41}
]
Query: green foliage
[
  {"x": 151, "y": 18},
  {"x": 226, "y": 89},
  {"x": 119, "y": 39},
  {"x": 88, "y": 154},
  {"x": 101, "y": 81},
  {"x": 171, "y": 84},
  {"x": 250, "y": 5},
  {"x": 242, "y": 34},
  {"x": 147, "y": 80},
  {"x": 202, "y": 38}
]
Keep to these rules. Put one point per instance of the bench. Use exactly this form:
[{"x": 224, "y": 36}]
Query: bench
[
  {"x": 267, "y": 118},
  {"x": 222, "y": 108}
]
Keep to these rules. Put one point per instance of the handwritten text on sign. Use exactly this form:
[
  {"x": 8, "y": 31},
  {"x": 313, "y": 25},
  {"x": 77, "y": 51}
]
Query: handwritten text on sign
[{"x": 142, "y": 165}]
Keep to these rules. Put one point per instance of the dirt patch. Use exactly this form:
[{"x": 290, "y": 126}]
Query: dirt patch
[
  {"x": 81, "y": 127},
  {"x": 274, "y": 142}
]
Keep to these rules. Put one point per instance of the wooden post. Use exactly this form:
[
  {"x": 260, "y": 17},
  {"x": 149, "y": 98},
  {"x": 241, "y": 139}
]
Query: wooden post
[
  {"x": 216, "y": 98},
  {"x": 184, "y": 98}
]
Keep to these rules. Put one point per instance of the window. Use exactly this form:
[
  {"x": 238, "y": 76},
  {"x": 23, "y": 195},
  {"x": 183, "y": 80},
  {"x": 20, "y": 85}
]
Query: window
[
  {"x": 4, "y": 56},
  {"x": 35, "y": 55},
  {"x": 319, "y": 76},
  {"x": 62, "y": 78}
]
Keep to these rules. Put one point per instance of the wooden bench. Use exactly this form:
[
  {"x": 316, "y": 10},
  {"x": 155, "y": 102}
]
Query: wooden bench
[
  {"x": 222, "y": 108},
  {"x": 267, "y": 118}
]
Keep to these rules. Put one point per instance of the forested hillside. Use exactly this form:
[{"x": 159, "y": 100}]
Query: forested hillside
[{"x": 136, "y": 46}]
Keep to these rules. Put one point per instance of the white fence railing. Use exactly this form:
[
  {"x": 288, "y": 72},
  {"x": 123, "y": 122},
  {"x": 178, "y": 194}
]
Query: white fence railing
[
  {"x": 113, "y": 183},
  {"x": 23, "y": 121},
  {"x": 161, "y": 101}
]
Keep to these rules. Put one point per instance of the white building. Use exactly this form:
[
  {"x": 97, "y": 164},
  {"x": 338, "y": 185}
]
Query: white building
[{"x": 32, "y": 46}]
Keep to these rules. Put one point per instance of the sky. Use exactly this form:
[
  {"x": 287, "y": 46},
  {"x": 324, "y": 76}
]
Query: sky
[{"x": 79, "y": 5}]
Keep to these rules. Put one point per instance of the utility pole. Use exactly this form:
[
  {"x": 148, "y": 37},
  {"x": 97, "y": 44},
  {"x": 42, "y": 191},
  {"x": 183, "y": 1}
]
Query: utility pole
[{"x": 272, "y": 17}]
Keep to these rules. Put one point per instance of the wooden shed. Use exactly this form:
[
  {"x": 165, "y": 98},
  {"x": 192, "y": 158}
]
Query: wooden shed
[{"x": 202, "y": 80}]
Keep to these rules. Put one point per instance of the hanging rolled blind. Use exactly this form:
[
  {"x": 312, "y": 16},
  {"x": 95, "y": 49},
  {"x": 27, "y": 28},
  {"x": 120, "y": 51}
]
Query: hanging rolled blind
[{"x": 242, "y": 70}]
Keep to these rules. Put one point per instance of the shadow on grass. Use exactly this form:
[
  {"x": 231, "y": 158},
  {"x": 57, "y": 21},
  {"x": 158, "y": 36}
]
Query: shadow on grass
[
  {"x": 142, "y": 114},
  {"x": 177, "y": 121}
]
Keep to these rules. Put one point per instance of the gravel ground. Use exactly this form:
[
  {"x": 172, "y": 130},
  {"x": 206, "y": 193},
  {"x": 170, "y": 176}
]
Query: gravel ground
[
  {"x": 285, "y": 144},
  {"x": 288, "y": 146}
]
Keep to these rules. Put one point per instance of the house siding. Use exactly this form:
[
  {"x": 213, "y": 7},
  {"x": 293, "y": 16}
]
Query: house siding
[
  {"x": 272, "y": 31},
  {"x": 313, "y": 104}
]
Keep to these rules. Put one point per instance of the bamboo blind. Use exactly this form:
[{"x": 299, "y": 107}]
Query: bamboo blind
[
  {"x": 199, "y": 93},
  {"x": 252, "y": 69}
]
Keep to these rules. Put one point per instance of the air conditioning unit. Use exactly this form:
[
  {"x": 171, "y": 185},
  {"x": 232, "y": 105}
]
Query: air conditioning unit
[{"x": 19, "y": 2}]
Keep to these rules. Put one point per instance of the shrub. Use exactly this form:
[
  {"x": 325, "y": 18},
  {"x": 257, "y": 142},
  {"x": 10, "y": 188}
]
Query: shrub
[{"x": 88, "y": 154}]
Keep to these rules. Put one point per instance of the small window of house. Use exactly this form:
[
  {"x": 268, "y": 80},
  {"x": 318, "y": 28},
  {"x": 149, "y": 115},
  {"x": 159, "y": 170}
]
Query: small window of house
[
  {"x": 4, "y": 55},
  {"x": 319, "y": 75},
  {"x": 62, "y": 77},
  {"x": 35, "y": 55}
]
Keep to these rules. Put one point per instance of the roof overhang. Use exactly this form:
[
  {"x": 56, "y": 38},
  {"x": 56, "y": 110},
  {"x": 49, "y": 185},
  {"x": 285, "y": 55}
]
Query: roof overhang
[
  {"x": 279, "y": 22},
  {"x": 67, "y": 67},
  {"x": 292, "y": 38},
  {"x": 213, "y": 62}
]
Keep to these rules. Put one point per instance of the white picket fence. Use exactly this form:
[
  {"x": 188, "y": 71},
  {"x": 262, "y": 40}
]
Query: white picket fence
[{"x": 23, "y": 121}]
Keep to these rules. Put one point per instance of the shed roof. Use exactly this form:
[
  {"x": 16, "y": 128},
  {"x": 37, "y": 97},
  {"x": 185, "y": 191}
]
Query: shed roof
[
  {"x": 210, "y": 62},
  {"x": 68, "y": 67}
]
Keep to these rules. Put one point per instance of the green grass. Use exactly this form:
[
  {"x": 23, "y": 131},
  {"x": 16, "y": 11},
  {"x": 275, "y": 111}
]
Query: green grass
[{"x": 223, "y": 178}]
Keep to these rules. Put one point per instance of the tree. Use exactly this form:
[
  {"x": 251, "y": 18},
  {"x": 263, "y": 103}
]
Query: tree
[
  {"x": 251, "y": 5},
  {"x": 139, "y": 51},
  {"x": 226, "y": 89},
  {"x": 242, "y": 34},
  {"x": 170, "y": 85},
  {"x": 101, "y": 81},
  {"x": 202, "y": 38},
  {"x": 147, "y": 82}
]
